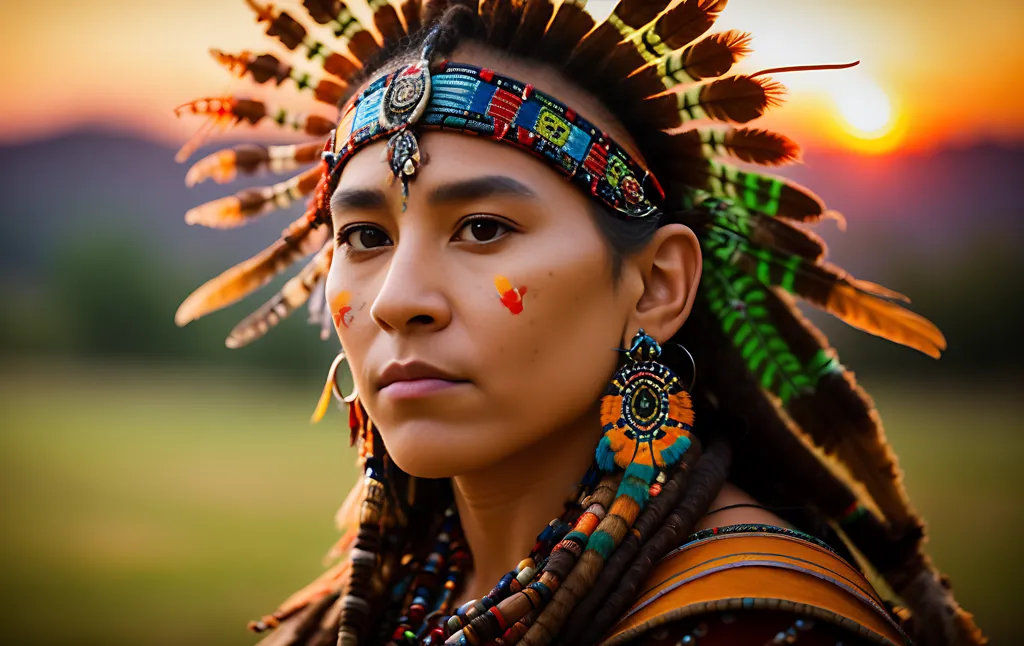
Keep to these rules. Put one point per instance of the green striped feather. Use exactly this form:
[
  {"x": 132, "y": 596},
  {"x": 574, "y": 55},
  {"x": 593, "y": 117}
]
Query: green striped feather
[{"x": 737, "y": 301}]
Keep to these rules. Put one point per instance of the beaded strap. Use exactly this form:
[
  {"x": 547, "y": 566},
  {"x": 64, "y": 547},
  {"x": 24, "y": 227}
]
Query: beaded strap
[{"x": 478, "y": 101}]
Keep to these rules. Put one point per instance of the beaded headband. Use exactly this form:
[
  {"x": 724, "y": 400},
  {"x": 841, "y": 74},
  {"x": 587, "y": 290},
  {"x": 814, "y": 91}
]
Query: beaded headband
[{"x": 475, "y": 100}]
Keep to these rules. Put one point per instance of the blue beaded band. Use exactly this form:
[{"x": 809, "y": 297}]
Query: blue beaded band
[{"x": 478, "y": 101}]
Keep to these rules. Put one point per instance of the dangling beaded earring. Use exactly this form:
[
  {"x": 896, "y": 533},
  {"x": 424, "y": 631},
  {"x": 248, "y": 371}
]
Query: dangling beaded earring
[{"x": 646, "y": 412}]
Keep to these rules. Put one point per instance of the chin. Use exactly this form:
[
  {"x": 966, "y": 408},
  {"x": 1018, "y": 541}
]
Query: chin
[{"x": 443, "y": 449}]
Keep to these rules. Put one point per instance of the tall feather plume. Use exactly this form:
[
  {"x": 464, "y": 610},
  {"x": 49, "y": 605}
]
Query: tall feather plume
[
  {"x": 767, "y": 194},
  {"x": 501, "y": 19},
  {"x": 840, "y": 417},
  {"x": 674, "y": 29},
  {"x": 570, "y": 24},
  {"x": 736, "y": 99},
  {"x": 292, "y": 34},
  {"x": 708, "y": 58},
  {"x": 267, "y": 67},
  {"x": 829, "y": 407},
  {"x": 860, "y": 304},
  {"x": 762, "y": 230},
  {"x": 536, "y": 16},
  {"x": 336, "y": 15},
  {"x": 224, "y": 165},
  {"x": 739, "y": 99},
  {"x": 899, "y": 558},
  {"x": 751, "y": 145},
  {"x": 249, "y": 204},
  {"x": 386, "y": 21},
  {"x": 292, "y": 295},
  {"x": 411, "y": 10},
  {"x": 626, "y": 17},
  {"x": 224, "y": 112},
  {"x": 302, "y": 238}
]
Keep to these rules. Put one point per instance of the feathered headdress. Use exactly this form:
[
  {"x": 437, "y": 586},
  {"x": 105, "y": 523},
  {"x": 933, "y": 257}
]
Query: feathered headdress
[{"x": 669, "y": 81}]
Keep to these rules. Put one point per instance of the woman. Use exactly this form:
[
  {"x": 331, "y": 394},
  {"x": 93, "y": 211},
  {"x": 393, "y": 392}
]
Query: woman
[{"x": 525, "y": 482}]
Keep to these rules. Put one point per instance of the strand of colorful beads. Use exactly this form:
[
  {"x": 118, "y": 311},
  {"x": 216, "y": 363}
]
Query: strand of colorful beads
[{"x": 505, "y": 613}]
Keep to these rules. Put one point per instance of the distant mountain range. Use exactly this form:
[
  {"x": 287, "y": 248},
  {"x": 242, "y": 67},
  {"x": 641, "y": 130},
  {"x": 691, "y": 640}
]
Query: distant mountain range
[{"x": 93, "y": 183}]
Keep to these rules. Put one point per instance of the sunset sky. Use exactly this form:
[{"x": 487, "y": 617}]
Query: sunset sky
[{"x": 932, "y": 73}]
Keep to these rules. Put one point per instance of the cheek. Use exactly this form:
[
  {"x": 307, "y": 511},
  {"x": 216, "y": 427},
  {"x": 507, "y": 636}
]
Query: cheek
[
  {"x": 347, "y": 301},
  {"x": 545, "y": 335}
]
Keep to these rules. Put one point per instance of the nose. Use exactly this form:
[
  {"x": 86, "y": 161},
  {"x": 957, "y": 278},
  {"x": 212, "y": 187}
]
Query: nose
[{"x": 412, "y": 299}]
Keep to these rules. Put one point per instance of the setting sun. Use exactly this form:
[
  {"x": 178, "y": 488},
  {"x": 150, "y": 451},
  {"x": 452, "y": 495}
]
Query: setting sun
[{"x": 864, "y": 106}]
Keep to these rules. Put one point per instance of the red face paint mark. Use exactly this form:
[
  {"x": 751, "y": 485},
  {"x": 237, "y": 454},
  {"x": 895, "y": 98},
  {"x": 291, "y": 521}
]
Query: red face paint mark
[
  {"x": 340, "y": 310},
  {"x": 511, "y": 297}
]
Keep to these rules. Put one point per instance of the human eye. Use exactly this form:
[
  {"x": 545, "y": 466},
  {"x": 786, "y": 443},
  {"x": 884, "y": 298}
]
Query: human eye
[
  {"x": 482, "y": 229},
  {"x": 363, "y": 237}
]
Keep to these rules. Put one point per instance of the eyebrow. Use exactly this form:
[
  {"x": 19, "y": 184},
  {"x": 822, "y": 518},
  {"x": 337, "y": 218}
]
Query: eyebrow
[
  {"x": 480, "y": 187},
  {"x": 460, "y": 191},
  {"x": 358, "y": 198}
]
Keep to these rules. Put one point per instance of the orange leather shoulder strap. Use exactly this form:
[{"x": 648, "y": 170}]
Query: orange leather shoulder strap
[{"x": 763, "y": 570}]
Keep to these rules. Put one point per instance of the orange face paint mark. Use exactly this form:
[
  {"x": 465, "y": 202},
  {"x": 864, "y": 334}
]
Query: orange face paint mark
[
  {"x": 340, "y": 310},
  {"x": 511, "y": 297}
]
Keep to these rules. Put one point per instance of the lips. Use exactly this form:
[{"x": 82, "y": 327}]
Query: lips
[{"x": 413, "y": 371}]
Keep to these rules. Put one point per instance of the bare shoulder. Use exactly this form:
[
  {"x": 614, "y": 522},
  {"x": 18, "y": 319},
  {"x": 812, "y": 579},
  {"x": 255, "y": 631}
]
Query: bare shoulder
[{"x": 723, "y": 510}]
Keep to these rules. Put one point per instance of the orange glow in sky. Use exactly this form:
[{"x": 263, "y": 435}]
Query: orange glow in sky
[{"x": 931, "y": 73}]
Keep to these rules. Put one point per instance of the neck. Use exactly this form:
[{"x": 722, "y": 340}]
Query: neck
[{"x": 503, "y": 507}]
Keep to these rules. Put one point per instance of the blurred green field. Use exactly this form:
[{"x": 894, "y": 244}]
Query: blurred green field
[{"x": 160, "y": 507}]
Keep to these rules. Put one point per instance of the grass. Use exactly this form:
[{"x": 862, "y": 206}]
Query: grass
[{"x": 163, "y": 507}]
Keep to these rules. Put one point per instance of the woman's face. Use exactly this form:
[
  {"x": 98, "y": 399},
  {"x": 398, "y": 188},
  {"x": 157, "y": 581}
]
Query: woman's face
[{"x": 483, "y": 318}]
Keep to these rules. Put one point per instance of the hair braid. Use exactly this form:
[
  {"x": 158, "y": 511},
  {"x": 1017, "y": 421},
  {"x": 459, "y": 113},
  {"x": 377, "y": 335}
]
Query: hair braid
[
  {"x": 708, "y": 476},
  {"x": 651, "y": 519}
]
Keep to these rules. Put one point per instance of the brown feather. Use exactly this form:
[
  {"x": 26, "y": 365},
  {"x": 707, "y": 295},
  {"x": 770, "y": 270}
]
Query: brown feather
[
  {"x": 363, "y": 46},
  {"x": 411, "y": 10},
  {"x": 751, "y": 145},
  {"x": 637, "y": 13},
  {"x": 224, "y": 165},
  {"x": 536, "y": 15},
  {"x": 840, "y": 417},
  {"x": 754, "y": 145},
  {"x": 735, "y": 98},
  {"x": 772, "y": 233},
  {"x": 501, "y": 18},
  {"x": 301, "y": 238},
  {"x": 762, "y": 193},
  {"x": 885, "y": 319},
  {"x": 596, "y": 45},
  {"x": 710, "y": 57},
  {"x": 570, "y": 24},
  {"x": 687, "y": 21},
  {"x": 249, "y": 204},
  {"x": 292, "y": 295},
  {"x": 716, "y": 54},
  {"x": 386, "y": 22},
  {"x": 833, "y": 290}
]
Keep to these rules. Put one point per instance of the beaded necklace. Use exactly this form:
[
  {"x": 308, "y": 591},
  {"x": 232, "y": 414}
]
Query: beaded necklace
[{"x": 426, "y": 597}]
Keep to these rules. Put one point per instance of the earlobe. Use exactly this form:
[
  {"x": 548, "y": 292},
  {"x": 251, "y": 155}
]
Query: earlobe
[{"x": 671, "y": 269}]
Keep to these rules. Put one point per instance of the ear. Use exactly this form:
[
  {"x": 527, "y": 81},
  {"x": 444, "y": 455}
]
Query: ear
[{"x": 670, "y": 266}]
